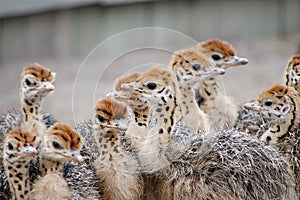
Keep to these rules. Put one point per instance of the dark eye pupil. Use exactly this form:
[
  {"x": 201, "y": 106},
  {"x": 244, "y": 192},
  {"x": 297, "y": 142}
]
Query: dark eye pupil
[
  {"x": 101, "y": 118},
  {"x": 29, "y": 83},
  {"x": 268, "y": 103},
  {"x": 216, "y": 57},
  {"x": 10, "y": 146},
  {"x": 196, "y": 67},
  {"x": 56, "y": 145},
  {"x": 151, "y": 86}
]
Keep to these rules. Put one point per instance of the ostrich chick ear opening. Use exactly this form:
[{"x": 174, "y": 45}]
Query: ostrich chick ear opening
[{"x": 285, "y": 109}]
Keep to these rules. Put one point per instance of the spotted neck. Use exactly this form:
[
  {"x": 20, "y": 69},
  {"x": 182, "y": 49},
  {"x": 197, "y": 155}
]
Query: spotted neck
[
  {"x": 152, "y": 136},
  {"x": 32, "y": 117},
  {"x": 166, "y": 115},
  {"x": 18, "y": 177},
  {"x": 142, "y": 117},
  {"x": 208, "y": 92},
  {"x": 51, "y": 166},
  {"x": 289, "y": 124},
  {"x": 108, "y": 142},
  {"x": 193, "y": 117}
]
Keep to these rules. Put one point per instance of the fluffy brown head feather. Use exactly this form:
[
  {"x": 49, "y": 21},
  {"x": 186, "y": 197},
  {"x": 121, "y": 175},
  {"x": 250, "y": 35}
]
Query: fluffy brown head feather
[
  {"x": 185, "y": 57},
  {"x": 40, "y": 72},
  {"x": 70, "y": 137},
  {"x": 157, "y": 74},
  {"x": 126, "y": 79},
  {"x": 218, "y": 46},
  {"x": 22, "y": 137},
  {"x": 111, "y": 109},
  {"x": 276, "y": 91}
]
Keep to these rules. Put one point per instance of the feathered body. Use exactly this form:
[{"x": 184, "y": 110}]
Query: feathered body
[{"x": 226, "y": 165}]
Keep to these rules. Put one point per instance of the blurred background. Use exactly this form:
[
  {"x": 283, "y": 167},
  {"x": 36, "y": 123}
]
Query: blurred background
[{"x": 89, "y": 43}]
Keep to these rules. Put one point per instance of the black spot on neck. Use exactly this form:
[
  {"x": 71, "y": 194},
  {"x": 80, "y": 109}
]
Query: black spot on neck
[
  {"x": 19, "y": 176},
  {"x": 207, "y": 92},
  {"x": 136, "y": 114},
  {"x": 268, "y": 140},
  {"x": 169, "y": 129},
  {"x": 116, "y": 150},
  {"x": 28, "y": 103},
  {"x": 294, "y": 116},
  {"x": 161, "y": 90},
  {"x": 112, "y": 144}
]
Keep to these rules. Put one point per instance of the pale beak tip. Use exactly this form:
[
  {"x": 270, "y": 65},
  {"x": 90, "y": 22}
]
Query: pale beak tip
[
  {"x": 244, "y": 61},
  {"x": 111, "y": 94},
  {"x": 79, "y": 159},
  {"x": 252, "y": 106}
]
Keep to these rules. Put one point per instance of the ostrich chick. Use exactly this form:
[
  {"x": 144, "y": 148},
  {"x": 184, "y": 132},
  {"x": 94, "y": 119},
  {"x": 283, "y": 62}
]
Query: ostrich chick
[
  {"x": 61, "y": 144},
  {"x": 36, "y": 85},
  {"x": 281, "y": 105},
  {"x": 20, "y": 150},
  {"x": 221, "y": 109},
  {"x": 117, "y": 168},
  {"x": 190, "y": 68},
  {"x": 256, "y": 123}
]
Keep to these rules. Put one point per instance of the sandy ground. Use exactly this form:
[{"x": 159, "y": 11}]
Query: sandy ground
[{"x": 79, "y": 84}]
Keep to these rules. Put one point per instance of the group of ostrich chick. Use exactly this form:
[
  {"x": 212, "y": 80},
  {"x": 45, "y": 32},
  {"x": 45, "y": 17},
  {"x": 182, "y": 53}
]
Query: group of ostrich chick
[{"x": 167, "y": 133}]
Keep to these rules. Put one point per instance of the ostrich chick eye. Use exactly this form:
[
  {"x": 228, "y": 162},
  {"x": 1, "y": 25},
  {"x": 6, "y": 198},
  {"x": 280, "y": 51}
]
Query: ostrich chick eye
[
  {"x": 10, "y": 146},
  {"x": 101, "y": 118},
  {"x": 216, "y": 57},
  {"x": 268, "y": 103},
  {"x": 30, "y": 82},
  {"x": 56, "y": 145},
  {"x": 151, "y": 86}
]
